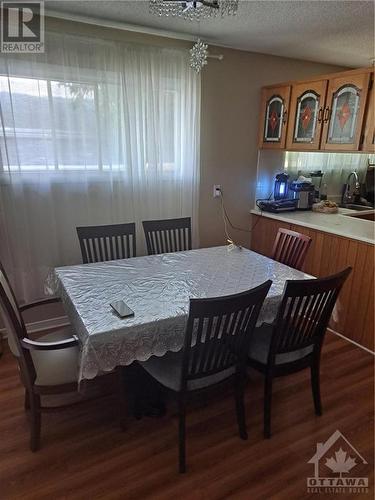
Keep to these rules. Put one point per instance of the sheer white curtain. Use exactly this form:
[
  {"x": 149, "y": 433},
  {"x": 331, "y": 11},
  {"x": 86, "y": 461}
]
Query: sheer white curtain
[{"x": 91, "y": 132}]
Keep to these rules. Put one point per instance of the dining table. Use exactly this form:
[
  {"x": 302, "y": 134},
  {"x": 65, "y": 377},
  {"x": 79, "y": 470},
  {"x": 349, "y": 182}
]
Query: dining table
[{"x": 158, "y": 289}]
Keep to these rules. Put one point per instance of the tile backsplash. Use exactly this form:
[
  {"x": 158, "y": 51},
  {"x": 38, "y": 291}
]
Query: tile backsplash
[{"x": 335, "y": 166}]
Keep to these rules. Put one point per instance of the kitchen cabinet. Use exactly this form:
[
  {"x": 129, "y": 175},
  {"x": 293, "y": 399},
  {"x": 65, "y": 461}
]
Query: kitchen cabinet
[
  {"x": 273, "y": 117},
  {"x": 328, "y": 254},
  {"x": 306, "y": 115},
  {"x": 369, "y": 133},
  {"x": 329, "y": 113},
  {"x": 344, "y": 112},
  {"x": 264, "y": 233}
]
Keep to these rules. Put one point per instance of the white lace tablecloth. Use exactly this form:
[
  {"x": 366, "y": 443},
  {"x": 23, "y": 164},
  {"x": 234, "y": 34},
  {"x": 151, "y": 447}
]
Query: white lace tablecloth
[{"x": 158, "y": 289}]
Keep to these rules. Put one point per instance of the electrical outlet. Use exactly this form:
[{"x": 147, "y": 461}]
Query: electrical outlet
[{"x": 217, "y": 190}]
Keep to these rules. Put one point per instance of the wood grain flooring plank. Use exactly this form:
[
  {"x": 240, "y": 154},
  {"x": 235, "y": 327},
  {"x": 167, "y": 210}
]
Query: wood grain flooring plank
[{"x": 84, "y": 454}]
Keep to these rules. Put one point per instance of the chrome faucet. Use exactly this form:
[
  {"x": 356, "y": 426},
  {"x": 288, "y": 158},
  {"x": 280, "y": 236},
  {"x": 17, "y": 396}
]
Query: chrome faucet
[{"x": 348, "y": 195}]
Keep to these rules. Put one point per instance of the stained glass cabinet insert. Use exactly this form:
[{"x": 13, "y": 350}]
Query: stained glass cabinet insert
[
  {"x": 306, "y": 115},
  {"x": 274, "y": 116}
]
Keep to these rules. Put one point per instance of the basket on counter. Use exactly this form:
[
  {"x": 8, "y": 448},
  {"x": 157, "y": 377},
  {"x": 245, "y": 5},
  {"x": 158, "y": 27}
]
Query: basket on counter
[{"x": 325, "y": 207}]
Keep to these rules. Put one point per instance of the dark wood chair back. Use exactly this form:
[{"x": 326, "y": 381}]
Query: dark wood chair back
[
  {"x": 111, "y": 242},
  {"x": 16, "y": 329},
  {"x": 290, "y": 248},
  {"x": 304, "y": 313},
  {"x": 218, "y": 333},
  {"x": 11, "y": 314},
  {"x": 169, "y": 235}
]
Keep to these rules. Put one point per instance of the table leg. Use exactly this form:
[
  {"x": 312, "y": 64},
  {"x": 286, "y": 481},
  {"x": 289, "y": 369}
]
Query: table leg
[{"x": 138, "y": 394}]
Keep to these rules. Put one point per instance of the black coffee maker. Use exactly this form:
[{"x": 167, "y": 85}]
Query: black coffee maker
[{"x": 281, "y": 201}]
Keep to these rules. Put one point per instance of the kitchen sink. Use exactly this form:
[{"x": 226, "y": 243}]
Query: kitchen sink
[
  {"x": 368, "y": 216},
  {"x": 359, "y": 208}
]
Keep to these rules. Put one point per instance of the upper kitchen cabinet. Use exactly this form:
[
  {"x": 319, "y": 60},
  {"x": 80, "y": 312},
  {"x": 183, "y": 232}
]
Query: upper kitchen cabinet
[
  {"x": 344, "y": 112},
  {"x": 369, "y": 134},
  {"x": 306, "y": 115},
  {"x": 273, "y": 117},
  {"x": 333, "y": 112}
]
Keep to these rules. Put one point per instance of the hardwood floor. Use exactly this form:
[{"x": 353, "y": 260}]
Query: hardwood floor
[{"x": 85, "y": 455}]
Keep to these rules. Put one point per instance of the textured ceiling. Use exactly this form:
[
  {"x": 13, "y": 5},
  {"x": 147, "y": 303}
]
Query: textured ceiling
[{"x": 336, "y": 32}]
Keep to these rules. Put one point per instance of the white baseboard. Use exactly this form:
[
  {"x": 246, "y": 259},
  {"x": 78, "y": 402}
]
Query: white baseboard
[
  {"x": 42, "y": 326},
  {"x": 351, "y": 341}
]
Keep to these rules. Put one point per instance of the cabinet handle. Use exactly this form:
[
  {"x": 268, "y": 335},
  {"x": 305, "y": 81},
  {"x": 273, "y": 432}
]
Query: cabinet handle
[
  {"x": 320, "y": 115},
  {"x": 327, "y": 115},
  {"x": 285, "y": 114}
]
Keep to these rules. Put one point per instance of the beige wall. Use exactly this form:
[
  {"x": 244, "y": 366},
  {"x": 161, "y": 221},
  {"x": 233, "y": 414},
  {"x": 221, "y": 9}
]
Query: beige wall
[
  {"x": 229, "y": 122},
  {"x": 229, "y": 132}
]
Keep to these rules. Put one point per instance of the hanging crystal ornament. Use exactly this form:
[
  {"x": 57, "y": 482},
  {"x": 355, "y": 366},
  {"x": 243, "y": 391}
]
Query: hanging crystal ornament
[
  {"x": 194, "y": 10},
  {"x": 198, "y": 55}
]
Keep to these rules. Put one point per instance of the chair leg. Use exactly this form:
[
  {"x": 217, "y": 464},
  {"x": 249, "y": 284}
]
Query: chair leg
[
  {"x": 240, "y": 408},
  {"x": 315, "y": 385},
  {"x": 267, "y": 405},
  {"x": 182, "y": 433},
  {"x": 35, "y": 416}
]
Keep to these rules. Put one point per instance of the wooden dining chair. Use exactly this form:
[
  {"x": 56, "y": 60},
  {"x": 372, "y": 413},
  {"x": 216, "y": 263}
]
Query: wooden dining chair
[
  {"x": 48, "y": 366},
  {"x": 290, "y": 248},
  {"x": 169, "y": 235},
  {"x": 294, "y": 340},
  {"x": 111, "y": 242},
  {"x": 215, "y": 349}
]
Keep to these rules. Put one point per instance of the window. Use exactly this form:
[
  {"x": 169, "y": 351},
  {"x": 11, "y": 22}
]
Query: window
[
  {"x": 47, "y": 124},
  {"x": 52, "y": 125}
]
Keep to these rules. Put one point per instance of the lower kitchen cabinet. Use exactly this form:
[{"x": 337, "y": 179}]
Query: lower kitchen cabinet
[
  {"x": 264, "y": 233},
  {"x": 329, "y": 254}
]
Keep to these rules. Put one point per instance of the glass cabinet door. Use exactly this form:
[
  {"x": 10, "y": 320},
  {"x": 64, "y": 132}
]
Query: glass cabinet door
[
  {"x": 344, "y": 112},
  {"x": 274, "y": 119},
  {"x": 344, "y": 115},
  {"x": 306, "y": 115},
  {"x": 274, "y": 109}
]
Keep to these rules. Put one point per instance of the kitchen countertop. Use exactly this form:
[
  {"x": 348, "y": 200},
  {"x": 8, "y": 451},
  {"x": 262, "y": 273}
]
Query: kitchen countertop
[{"x": 340, "y": 224}]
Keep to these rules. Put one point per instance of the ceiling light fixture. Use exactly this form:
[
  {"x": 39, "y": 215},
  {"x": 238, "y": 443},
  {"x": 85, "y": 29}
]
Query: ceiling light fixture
[
  {"x": 194, "y": 10},
  {"x": 198, "y": 55}
]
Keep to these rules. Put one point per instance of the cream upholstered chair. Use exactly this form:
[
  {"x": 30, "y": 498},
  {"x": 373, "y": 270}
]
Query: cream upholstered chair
[{"x": 47, "y": 366}]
